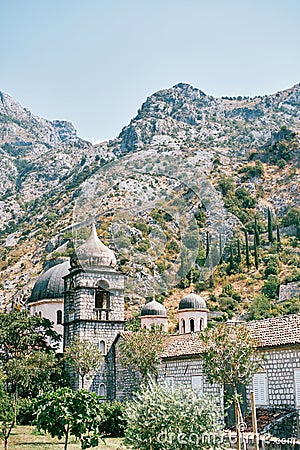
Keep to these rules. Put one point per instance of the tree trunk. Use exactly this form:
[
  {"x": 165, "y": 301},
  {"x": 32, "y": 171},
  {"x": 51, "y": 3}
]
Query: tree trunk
[
  {"x": 82, "y": 381},
  {"x": 6, "y": 443},
  {"x": 15, "y": 406},
  {"x": 67, "y": 437},
  {"x": 239, "y": 418}
]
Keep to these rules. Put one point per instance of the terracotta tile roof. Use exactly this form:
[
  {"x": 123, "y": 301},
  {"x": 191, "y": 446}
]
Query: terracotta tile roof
[
  {"x": 276, "y": 331},
  {"x": 272, "y": 332},
  {"x": 182, "y": 345}
]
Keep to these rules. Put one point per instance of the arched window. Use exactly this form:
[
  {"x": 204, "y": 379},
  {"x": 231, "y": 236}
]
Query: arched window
[
  {"x": 101, "y": 390},
  {"x": 182, "y": 326},
  {"x": 102, "y": 347},
  {"x": 59, "y": 317},
  {"x": 102, "y": 300},
  {"x": 201, "y": 325},
  {"x": 192, "y": 325}
]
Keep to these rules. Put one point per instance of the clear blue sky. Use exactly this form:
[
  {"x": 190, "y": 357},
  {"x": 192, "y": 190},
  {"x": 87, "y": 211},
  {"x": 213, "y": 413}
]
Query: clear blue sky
[{"x": 94, "y": 62}]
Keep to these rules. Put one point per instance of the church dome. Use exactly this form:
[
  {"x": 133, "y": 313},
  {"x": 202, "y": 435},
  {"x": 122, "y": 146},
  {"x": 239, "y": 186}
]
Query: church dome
[
  {"x": 154, "y": 308},
  {"x": 50, "y": 284},
  {"x": 192, "y": 301},
  {"x": 94, "y": 252}
]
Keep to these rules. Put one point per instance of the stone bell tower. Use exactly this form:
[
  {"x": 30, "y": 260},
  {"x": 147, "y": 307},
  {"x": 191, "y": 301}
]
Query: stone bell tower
[{"x": 94, "y": 307}]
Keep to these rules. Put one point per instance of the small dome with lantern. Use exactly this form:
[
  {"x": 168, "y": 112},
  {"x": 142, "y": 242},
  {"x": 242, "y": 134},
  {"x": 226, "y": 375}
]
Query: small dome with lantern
[
  {"x": 192, "y": 301},
  {"x": 154, "y": 308}
]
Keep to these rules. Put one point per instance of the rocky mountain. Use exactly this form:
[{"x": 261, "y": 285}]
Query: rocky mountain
[{"x": 45, "y": 168}]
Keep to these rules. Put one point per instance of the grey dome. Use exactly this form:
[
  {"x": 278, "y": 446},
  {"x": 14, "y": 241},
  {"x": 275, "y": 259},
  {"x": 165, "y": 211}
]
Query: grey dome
[
  {"x": 94, "y": 252},
  {"x": 50, "y": 284},
  {"x": 192, "y": 301},
  {"x": 154, "y": 308}
]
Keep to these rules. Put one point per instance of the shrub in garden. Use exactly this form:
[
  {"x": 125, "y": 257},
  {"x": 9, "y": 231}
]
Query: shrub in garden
[
  {"x": 26, "y": 411},
  {"x": 112, "y": 422},
  {"x": 166, "y": 418}
]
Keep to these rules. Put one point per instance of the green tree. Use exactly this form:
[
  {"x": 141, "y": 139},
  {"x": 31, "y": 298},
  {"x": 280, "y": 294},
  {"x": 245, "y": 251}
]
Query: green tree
[
  {"x": 271, "y": 287},
  {"x": 256, "y": 233},
  {"x": 255, "y": 252},
  {"x": 230, "y": 357},
  {"x": 7, "y": 413},
  {"x": 142, "y": 350},
  {"x": 270, "y": 227},
  {"x": 64, "y": 413},
  {"x": 260, "y": 308},
  {"x": 27, "y": 353},
  {"x": 292, "y": 217},
  {"x": 165, "y": 418},
  {"x": 84, "y": 357},
  {"x": 247, "y": 249}
]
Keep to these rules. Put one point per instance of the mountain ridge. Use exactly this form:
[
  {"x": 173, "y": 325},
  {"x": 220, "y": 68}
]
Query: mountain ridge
[{"x": 44, "y": 162}]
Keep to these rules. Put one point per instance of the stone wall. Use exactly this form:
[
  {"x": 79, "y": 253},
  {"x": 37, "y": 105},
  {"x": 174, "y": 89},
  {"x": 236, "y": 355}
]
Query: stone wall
[
  {"x": 83, "y": 321},
  {"x": 290, "y": 290},
  {"x": 279, "y": 365},
  {"x": 127, "y": 379},
  {"x": 181, "y": 370}
]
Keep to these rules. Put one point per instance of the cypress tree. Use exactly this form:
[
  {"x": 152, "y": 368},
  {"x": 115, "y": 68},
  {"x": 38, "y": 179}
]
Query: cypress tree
[
  {"x": 255, "y": 253},
  {"x": 247, "y": 249},
  {"x": 270, "y": 227},
  {"x": 207, "y": 245},
  {"x": 256, "y": 233},
  {"x": 220, "y": 248},
  {"x": 278, "y": 238},
  {"x": 231, "y": 262},
  {"x": 239, "y": 256}
]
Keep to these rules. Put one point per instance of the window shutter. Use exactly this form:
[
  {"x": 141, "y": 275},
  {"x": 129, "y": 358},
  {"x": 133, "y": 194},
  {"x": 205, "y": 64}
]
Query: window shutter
[
  {"x": 197, "y": 383},
  {"x": 260, "y": 389},
  {"x": 169, "y": 381},
  {"x": 297, "y": 386}
]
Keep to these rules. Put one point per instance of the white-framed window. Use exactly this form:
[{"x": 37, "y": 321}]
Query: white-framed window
[
  {"x": 170, "y": 381},
  {"x": 102, "y": 347},
  {"x": 197, "y": 383},
  {"x": 297, "y": 387},
  {"x": 102, "y": 390},
  {"x": 260, "y": 389}
]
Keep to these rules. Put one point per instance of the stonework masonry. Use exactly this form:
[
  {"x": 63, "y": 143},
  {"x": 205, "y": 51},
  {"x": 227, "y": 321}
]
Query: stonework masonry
[
  {"x": 85, "y": 322},
  {"x": 279, "y": 364}
]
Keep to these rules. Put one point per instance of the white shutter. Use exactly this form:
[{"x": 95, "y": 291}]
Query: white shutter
[
  {"x": 169, "y": 381},
  {"x": 260, "y": 389},
  {"x": 197, "y": 383},
  {"x": 297, "y": 386}
]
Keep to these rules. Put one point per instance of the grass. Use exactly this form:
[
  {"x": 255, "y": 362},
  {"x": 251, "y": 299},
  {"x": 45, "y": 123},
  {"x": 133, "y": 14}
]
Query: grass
[{"x": 28, "y": 438}]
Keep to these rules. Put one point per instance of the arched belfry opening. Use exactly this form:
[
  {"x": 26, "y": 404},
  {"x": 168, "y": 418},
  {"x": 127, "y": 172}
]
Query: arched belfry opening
[{"x": 102, "y": 300}]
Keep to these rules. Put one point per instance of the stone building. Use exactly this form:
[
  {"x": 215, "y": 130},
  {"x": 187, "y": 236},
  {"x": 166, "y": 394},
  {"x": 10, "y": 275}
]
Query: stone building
[
  {"x": 94, "y": 307},
  {"x": 93, "y": 292}
]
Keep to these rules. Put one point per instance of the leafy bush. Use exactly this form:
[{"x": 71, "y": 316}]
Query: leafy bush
[
  {"x": 113, "y": 420},
  {"x": 165, "y": 418},
  {"x": 261, "y": 308},
  {"x": 271, "y": 286},
  {"x": 250, "y": 171},
  {"x": 26, "y": 411}
]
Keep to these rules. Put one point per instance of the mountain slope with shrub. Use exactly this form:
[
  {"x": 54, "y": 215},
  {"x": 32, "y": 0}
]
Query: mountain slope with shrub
[{"x": 247, "y": 147}]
